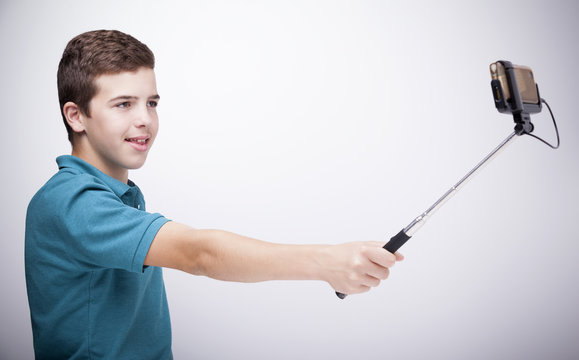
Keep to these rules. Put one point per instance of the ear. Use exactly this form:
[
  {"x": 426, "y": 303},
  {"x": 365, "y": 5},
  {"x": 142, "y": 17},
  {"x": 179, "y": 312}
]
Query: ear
[{"x": 74, "y": 117}]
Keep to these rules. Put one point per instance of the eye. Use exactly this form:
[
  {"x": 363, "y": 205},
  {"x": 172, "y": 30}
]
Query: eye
[
  {"x": 152, "y": 103},
  {"x": 124, "y": 105}
]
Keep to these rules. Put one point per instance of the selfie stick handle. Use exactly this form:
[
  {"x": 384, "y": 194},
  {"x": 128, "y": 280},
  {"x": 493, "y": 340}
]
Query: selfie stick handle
[{"x": 399, "y": 239}]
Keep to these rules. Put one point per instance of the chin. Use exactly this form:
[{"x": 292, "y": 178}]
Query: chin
[
  {"x": 136, "y": 163},
  {"x": 136, "y": 166}
]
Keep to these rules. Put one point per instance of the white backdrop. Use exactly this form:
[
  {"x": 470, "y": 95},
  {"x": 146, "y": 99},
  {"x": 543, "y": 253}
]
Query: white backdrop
[{"x": 326, "y": 122}]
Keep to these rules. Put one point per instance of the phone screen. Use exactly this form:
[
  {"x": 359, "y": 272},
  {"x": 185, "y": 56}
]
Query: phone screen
[{"x": 525, "y": 82}]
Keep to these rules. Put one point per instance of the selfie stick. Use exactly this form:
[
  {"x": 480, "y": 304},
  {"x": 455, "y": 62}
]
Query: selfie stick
[
  {"x": 504, "y": 77},
  {"x": 399, "y": 239}
]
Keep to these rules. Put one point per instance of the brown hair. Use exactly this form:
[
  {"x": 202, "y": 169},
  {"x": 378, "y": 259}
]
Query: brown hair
[{"x": 95, "y": 53}]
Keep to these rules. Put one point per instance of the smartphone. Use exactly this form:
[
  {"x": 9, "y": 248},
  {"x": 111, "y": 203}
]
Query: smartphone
[{"x": 514, "y": 88}]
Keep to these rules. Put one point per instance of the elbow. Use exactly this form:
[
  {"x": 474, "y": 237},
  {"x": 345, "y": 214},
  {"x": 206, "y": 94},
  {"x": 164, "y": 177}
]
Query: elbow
[
  {"x": 199, "y": 257},
  {"x": 196, "y": 264}
]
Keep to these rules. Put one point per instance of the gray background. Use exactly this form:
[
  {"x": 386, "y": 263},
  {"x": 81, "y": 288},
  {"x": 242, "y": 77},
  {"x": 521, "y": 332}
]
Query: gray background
[{"x": 326, "y": 122}]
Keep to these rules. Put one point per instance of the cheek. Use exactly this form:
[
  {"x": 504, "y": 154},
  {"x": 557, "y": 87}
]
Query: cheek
[
  {"x": 114, "y": 131},
  {"x": 99, "y": 130},
  {"x": 154, "y": 127}
]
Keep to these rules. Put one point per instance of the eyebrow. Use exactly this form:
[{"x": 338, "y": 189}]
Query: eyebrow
[{"x": 128, "y": 97}]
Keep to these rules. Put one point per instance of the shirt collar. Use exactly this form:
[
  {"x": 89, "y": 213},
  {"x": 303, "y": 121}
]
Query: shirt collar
[{"x": 118, "y": 187}]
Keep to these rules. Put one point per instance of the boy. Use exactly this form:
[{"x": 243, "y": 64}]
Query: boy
[{"x": 94, "y": 255}]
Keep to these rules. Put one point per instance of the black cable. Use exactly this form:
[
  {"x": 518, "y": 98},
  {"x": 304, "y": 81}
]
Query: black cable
[{"x": 556, "y": 129}]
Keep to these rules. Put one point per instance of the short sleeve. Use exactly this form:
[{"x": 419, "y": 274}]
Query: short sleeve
[{"x": 93, "y": 228}]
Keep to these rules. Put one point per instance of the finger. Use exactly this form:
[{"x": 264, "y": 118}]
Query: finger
[
  {"x": 371, "y": 281},
  {"x": 380, "y": 257},
  {"x": 399, "y": 256},
  {"x": 377, "y": 271},
  {"x": 359, "y": 289}
]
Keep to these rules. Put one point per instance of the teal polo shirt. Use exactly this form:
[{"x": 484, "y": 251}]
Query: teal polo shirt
[{"x": 90, "y": 295}]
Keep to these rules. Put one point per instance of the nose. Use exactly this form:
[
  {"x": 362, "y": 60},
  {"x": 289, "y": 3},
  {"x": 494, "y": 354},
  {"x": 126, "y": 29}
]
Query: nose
[{"x": 145, "y": 116}]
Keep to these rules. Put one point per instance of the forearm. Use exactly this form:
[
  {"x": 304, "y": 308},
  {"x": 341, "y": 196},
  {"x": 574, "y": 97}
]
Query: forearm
[{"x": 227, "y": 256}]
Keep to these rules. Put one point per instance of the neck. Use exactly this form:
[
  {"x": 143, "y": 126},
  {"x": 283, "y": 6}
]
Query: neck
[{"x": 115, "y": 172}]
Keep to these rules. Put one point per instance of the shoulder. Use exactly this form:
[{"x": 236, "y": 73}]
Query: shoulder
[{"x": 66, "y": 186}]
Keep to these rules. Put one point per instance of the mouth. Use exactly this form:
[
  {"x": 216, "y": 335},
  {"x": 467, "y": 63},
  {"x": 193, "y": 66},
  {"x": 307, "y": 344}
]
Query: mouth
[{"x": 140, "y": 143}]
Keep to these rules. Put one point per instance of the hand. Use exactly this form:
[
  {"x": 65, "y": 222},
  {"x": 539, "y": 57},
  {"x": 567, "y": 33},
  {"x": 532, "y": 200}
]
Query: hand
[{"x": 356, "y": 267}]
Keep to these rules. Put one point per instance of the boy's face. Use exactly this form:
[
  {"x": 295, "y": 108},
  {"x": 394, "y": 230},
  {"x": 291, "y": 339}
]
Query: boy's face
[{"x": 123, "y": 122}]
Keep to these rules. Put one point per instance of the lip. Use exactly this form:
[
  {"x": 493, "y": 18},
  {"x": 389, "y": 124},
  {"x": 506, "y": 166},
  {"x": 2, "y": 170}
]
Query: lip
[{"x": 139, "y": 143}]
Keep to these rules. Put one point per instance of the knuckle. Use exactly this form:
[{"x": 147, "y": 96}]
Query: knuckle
[
  {"x": 367, "y": 251},
  {"x": 356, "y": 264},
  {"x": 353, "y": 278}
]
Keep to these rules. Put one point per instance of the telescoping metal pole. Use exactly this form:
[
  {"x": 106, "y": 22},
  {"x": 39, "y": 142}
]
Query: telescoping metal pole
[{"x": 399, "y": 239}]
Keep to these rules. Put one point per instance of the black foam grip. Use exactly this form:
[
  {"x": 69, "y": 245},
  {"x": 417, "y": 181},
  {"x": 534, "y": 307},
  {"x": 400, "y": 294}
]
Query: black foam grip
[
  {"x": 396, "y": 242},
  {"x": 392, "y": 246}
]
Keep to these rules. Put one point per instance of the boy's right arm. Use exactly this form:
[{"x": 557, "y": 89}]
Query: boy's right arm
[{"x": 349, "y": 268}]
